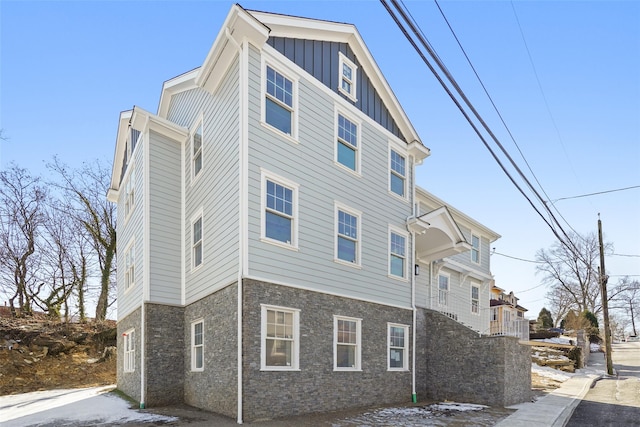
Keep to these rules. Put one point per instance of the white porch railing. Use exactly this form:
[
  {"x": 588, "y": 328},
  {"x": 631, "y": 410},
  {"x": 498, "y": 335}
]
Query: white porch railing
[{"x": 513, "y": 328}]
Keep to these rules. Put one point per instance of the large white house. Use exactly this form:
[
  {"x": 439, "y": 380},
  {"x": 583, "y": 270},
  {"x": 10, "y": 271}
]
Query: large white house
[{"x": 273, "y": 249}]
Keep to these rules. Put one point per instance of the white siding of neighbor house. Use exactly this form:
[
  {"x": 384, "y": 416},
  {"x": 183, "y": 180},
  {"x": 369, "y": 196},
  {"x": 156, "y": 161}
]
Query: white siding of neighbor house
[
  {"x": 128, "y": 229},
  {"x": 164, "y": 220},
  {"x": 215, "y": 192},
  {"x": 310, "y": 164}
]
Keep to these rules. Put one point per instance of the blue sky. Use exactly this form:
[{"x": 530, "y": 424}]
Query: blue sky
[{"x": 68, "y": 68}]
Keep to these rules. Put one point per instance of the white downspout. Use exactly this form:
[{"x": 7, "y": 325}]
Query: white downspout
[
  {"x": 146, "y": 269},
  {"x": 414, "y": 396}
]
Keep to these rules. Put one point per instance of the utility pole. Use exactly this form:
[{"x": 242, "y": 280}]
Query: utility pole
[{"x": 605, "y": 303}]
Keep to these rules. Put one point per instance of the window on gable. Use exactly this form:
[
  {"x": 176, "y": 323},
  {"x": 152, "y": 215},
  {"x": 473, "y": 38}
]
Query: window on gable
[
  {"x": 475, "y": 299},
  {"x": 347, "y": 344},
  {"x": 279, "y": 97},
  {"x": 348, "y": 74},
  {"x": 129, "y": 350},
  {"x": 397, "y": 174},
  {"x": 196, "y": 232},
  {"x": 197, "y": 346},
  {"x": 347, "y": 151},
  {"x": 397, "y": 254},
  {"x": 196, "y": 142},
  {"x": 475, "y": 249},
  {"x": 280, "y": 208},
  {"x": 280, "y": 338},
  {"x": 129, "y": 266},
  {"x": 347, "y": 236},
  {"x": 398, "y": 340},
  {"x": 129, "y": 193},
  {"x": 443, "y": 290}
]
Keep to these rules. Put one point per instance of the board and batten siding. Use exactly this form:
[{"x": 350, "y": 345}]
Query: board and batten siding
[
  {"x": 215, "y": 191},
  {"x": 131, "y": 229},
  {"x": 310, "y": 164},
  {"x": 165, "y": 211}
]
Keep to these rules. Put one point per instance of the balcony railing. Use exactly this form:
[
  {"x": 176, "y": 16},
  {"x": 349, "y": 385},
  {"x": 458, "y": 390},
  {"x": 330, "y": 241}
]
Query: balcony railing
[{"x": 512, "y": 328}]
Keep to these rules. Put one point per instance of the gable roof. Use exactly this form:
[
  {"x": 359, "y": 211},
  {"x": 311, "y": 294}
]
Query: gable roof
[{"x": 256, "y": 27}]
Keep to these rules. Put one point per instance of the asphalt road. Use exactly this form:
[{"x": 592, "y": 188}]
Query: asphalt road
[{"x": 613, "y": 401}]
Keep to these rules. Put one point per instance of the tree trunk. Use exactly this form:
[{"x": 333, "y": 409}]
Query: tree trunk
[{"x": 103, "y": 299}]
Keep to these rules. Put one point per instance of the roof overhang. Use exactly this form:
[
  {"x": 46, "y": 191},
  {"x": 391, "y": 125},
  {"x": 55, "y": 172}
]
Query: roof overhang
[{"x": 437, "y": 235}]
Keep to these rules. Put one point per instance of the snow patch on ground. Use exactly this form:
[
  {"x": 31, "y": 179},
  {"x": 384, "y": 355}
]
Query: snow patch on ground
[
  {"x": 551, "y": 373},
  {"x": 71, "y": 407}
]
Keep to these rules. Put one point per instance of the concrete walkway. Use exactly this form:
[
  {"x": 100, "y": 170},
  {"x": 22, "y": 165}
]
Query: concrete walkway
[{"x": 555, "y": 409}]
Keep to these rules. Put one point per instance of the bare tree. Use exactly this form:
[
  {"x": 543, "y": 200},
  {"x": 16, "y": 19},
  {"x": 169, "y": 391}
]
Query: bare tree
[
  {"x": 627, "y": 299},
  {"x": 85, "y": 189},
  {"x": 571, "y": 272},
  {"x": 22, "y": 216}
]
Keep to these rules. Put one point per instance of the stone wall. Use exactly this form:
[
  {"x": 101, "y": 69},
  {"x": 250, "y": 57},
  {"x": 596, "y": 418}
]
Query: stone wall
[
  {"x": 457, "y": 364},
  {"x": 215, "y": 388},
  {"x": 129, "y": 382},
  {"x": 164, "y": 354},
  {"x": 316, "y": 387}
]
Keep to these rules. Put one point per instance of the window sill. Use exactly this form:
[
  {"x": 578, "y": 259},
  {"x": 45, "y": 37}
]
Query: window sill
[
  {"x": 355, "y": 173},
  {"x": 348, "y": 264},
  {"x": 279, "y": 244},
  {"x": 275, "y": 369},
  {"x": 398, "y": 278},
  {"x": 398, "y": 370},
  {"x": 290, "y": 138},
  {"x": 198, "y": 268},
  {"x": 197, "y": 370},
  {"x": 399, "y": 197},
  {"x": 347, "y": 94},
  {"x": 347, "y": 369},
  {"x": 196, "y": 178}
]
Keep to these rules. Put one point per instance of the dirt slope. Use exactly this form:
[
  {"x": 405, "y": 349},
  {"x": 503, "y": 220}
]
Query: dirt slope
[{"x": 38, "y": 354}]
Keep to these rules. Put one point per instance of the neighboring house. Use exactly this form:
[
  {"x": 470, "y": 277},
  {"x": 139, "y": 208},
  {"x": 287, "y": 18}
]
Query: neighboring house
[
  {"x": 507, "y": 316},
  {"x": 453, "y": 255},
  {"x": 267, "y": 221}
]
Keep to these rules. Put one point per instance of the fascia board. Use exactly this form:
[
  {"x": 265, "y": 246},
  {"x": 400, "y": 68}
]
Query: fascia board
[
  {"x": 434, "y": 202},
  {"x": 118, "y": 156},
  {"x": 313, "y": 29},
  {"x": 178, "y": 84},
  {"x": 238, "y": 26},
  {"x": 141, "y": 118}
]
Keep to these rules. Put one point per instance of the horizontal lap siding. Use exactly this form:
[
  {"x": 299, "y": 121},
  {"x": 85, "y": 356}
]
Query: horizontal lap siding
[
  {"x": 128, "y": 229},
  {"x": 216, "y": 189},
  {"x": 310, "y": 164},
  {"x": 164, "y": 220}
]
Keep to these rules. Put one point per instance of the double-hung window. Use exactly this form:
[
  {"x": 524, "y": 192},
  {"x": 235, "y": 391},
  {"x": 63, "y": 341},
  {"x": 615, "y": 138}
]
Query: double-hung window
[
  {"x": 279, "y": 210},
  {"x": 129, "y": 350},
  {"x": 475, "y": 249},
  {"x": 397, "y": 173},
  {"x": 348, "y": 77},
  {"x": 347, "y": 343},
  {"x": 443, "y": 290},
  {"x": 196, "y": 241},
  {"x": 129, "y": 193},
  {"x": 280, "y": 338},
  {"x": 197, "y": 345},
  {"x": 475, "y": 299},
  {"x": 398, "y": 340},
  {"x": 279, "y": 101},
  {"x": 347, "y": 143},
  {"x": 397, "y": 254},
  {"x": 129, "y": 266},
  {"x": 347, "y": 248},
  {"x": 196, "y": 151}
]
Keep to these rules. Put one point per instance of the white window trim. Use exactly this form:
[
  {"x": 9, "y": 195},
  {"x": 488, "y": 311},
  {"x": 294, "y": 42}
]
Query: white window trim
[
  {"x": 264, "y": 176},
  {"x": 289, "y": 74},
  {"x": 129, "y": 352},
  {"x": 395, "y": 147},
  {"x": 448, "y": 291},
  {"x": 130, "y": 247},
  {"x": 341, "y": 207},
  {"x": 405, "y": 360},
  {"x": 129, "y": 192},
  {"x": 295, "y": 357},
  {"x": 400, "y": 232},
  {"x": 358, "y": 344},
  {"x": 193, "y": 345},
  {"x": 479, "y": 248},
  {"x": 198, "y": 123},
  {"x": 339, "y": 112},
  {"x": 354, "y": 80},
  {"x": 194, "y": 219},
  {"x": 477, "y": 286}
]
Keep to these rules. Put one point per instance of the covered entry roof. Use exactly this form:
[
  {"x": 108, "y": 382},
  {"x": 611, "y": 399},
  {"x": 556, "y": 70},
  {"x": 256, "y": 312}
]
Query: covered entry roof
[{"x": 437, "y": 235}]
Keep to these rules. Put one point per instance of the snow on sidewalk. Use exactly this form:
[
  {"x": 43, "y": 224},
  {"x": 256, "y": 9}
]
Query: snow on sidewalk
[{"x": 84, "y": 406}]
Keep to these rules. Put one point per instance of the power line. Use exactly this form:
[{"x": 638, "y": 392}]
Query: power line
[
  {"x": 627, "y": 255},
  {"x": 519, "y": 259},
  {"x": 596, "y": 193}
]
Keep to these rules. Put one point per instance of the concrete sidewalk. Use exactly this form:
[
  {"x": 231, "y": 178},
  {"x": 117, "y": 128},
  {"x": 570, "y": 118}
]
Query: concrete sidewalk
[{"x": 555, "y": 409}]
